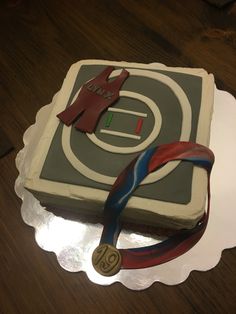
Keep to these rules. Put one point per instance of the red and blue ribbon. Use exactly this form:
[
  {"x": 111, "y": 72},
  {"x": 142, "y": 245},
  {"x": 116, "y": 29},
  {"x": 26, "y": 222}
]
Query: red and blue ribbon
[{"x": 151, "y": 160}]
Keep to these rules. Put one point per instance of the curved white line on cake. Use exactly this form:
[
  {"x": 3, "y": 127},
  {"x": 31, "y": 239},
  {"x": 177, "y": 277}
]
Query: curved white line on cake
[{"x": 152, "y": 177}]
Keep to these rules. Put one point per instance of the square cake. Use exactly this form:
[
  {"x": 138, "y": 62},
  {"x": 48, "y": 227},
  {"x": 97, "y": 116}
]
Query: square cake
[{"x": 74, "y": 170}]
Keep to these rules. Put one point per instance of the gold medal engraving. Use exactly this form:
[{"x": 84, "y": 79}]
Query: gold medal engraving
[{"x": 106, "y": 260}]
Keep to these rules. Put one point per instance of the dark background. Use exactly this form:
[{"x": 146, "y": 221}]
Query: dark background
[{"x": 39, "y": 40}]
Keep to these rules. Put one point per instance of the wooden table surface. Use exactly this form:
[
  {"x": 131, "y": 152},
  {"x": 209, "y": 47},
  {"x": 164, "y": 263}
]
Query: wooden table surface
[{"x": 39, "y": 40}]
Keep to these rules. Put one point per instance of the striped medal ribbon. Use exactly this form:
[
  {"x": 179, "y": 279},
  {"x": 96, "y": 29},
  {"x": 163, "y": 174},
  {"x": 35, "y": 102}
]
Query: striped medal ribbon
[{"x": 106, "y": 258}]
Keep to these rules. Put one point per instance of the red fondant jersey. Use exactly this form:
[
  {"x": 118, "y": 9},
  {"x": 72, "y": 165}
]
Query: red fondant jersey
[{"x": 94, "y": 97}]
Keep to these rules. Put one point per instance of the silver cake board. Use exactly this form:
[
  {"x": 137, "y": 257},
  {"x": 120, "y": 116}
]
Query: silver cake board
[{"x": 73, "y": 242}]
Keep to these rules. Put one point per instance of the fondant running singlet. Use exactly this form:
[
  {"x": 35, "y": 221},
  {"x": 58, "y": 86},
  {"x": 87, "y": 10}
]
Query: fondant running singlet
[{"x": 94, "y": 97}]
